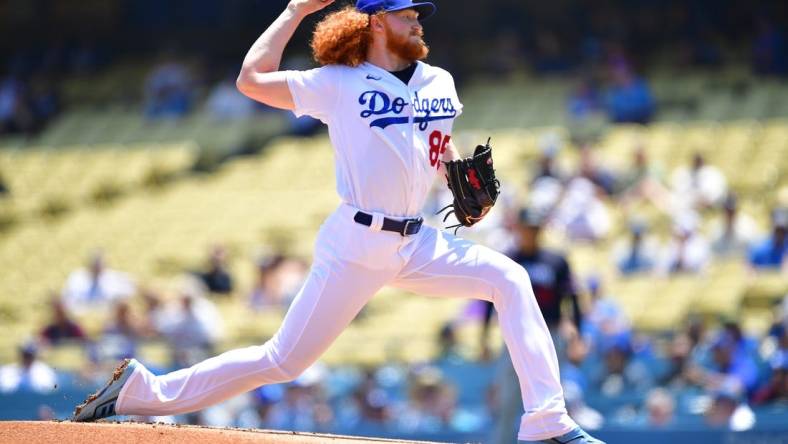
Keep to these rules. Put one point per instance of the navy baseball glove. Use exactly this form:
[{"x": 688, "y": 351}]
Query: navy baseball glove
[{"x": 473, "y": 184}]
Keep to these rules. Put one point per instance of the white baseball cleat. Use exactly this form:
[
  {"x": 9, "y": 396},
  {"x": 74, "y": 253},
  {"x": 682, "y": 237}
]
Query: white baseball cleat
[{"x": 102, "y": 403}]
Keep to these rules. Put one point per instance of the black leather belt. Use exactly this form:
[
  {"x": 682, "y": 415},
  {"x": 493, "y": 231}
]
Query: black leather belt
[{"x": 407, "y": 227}]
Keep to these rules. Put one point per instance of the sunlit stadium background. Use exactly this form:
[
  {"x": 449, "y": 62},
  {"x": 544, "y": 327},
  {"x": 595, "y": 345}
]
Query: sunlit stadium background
[{"x": 124, "y": 145}]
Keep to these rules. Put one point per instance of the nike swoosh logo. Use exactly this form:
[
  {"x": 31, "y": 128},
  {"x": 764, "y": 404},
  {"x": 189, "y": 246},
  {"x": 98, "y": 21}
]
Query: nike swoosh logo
[{"x": 371, "y": 77}]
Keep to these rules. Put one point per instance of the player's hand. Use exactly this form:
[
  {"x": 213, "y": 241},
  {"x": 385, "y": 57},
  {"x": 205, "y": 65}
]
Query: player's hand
[{"x": 306, "y": 7}]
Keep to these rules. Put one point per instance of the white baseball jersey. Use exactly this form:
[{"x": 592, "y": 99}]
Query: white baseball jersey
[{"x": 388, "y": 137}]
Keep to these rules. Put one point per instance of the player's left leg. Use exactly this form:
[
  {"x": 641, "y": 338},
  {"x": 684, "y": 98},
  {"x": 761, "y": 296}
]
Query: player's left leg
[{"x": 443, "y": 265}]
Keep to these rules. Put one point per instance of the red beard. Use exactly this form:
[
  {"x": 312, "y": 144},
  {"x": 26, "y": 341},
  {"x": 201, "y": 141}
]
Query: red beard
[{"x": 404, "y": 48}]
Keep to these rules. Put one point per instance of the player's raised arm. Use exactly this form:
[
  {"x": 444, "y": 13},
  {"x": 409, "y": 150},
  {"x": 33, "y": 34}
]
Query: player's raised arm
[{"x": 260, "y": 78}]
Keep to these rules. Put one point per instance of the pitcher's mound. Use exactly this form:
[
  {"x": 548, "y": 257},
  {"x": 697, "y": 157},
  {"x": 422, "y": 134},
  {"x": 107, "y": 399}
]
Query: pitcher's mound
[{"x": 23, "y": 432}]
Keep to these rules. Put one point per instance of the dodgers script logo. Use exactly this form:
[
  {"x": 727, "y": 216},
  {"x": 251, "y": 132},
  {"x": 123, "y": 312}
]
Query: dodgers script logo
[{"x": 425, "y": 110}]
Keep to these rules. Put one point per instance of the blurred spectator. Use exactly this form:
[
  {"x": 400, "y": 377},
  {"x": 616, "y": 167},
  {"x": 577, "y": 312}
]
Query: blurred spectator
[
  {"x": 431, "y": 403},
  {"x": 590, "y": 169},
  {"x": 728, "y": 411},
  {"x": 699, "y": 186},
  {"x": 581, "y": 212},
  {"x": 303, "y": 407},
  {"x": 373, "y": 403},
  {"x": 770, "y": 253},
  {"x": 585, "y": 416},
  {"x": 660, "y": 408},
  {"x": 680, "y": 362},
  {"x": 16, "y": 115},
  {"x": 585, "y": 100},
  {"x": 225, "y": 102},
  {"x": 732, "y": 236},
  {"x": 732, "y": 365},
  {"x": 776, "y": 389},
  {"x": 687, "y": 251},
  {"x": 549, "y": 147},
  {"x": 191, "y": 330},
  {"x": 61, "y": 327},
  {"x": 120, "y": 335},
  {"x": 265, "y": 292},
  {"x": 605, "y": 318},
  {"x": 279, "y": 279},
  {"x": 637, "y": 253},
  {"x": 156, "y": 316},
  {"x": 643, "y": 181},
  {"x": 29, "y": 375},
  {"x": 217, "y": 277},
  {"x": 168, "y": 88},
  {"x": 621, "y": 373},
  {"x": 769, "y": 49},
  {"x": 448, "y": 347},
  {"x": 96, "y": 287},
  {"x": 191, "y": 324},
  {"x": 629, "y": 98}
]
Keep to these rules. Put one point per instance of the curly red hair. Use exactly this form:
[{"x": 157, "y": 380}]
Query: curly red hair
[{"x": 342, "y": 37}]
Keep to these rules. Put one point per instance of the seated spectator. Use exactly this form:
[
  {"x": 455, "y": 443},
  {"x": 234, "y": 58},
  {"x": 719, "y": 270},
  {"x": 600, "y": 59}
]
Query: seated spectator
[
  {"x": 120, "y": 335},
  {"x": 589, "y": 168},
  {"x": 621, "y": 373},
  {"x": 431, "y": 403},
  {"x": 449, "y": 348},
  {"x": 776, "y": 389},
  {"x": 605, "y": 319},
  {"x": 769, "y": 49},
  {"x": 96, "y": 287},
  {"x": 156, "y": 316},
  {"x": 265, "y": 293},
  {"x": 217, "y": 277},
  {"x": 168, "y": 89},
  {"x": 643, "y": 181},
  {"x": 585, "y": 416},
  {"x": 732, "y": 236},
  {"x": 29, "y": 375},
  {"x": 638, "y": 253},
  {"x": 279, "y": 279},
  {"x": 190, "y": 337},
  {"x": 16, "y": 114},
  {"x": 545, "y": 166},
  {"x": 687, "y": 251},
  {"x": 660, "y": 408},
  {"x": 699, "y": 186},
  {"x": 61, "y": 327},
  {"x": 580, "y": 212},
  {"x": 728, "y": 411},
  {"x": 770, "y": 253},
  {"x": 629, "y": 99},
  {"x": 584, "y": 101},
  {"x": 192, "y": 324},
  {"x": 225, "y": 102},
  {"x": 732, "y": 365}
]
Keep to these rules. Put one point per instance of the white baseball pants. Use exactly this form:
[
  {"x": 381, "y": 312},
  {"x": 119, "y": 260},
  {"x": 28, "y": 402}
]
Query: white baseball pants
[{"x": 351, "y": 263}]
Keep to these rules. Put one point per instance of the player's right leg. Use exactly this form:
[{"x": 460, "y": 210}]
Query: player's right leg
[
  {"x": 333, "y": 294},
  {"x": 444, "y": 265}
]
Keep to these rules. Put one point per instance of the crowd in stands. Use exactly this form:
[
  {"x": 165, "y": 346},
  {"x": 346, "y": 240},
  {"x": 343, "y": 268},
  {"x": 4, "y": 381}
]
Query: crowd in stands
[{"x": 607, "y": 44}]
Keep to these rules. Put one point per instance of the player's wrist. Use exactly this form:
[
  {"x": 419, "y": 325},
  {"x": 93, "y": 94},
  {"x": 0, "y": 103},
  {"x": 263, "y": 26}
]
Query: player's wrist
[{"x": 297, "y": 10}]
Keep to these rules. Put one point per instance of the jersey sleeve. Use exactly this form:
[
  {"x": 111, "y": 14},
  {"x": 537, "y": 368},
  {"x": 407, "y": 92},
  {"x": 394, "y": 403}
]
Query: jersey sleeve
[{"x": 315, "y": 92}]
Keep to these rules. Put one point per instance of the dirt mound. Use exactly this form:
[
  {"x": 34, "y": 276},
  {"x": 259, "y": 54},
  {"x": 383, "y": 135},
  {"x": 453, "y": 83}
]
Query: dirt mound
[{"x": 24, "y": 432}]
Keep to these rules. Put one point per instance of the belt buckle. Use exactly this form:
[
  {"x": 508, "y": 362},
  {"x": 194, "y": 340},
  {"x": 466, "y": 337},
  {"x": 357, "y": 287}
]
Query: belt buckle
[{"x": 408, "y": 222}]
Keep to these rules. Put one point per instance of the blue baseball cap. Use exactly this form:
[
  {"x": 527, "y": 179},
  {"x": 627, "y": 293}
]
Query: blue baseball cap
[{"x": 425, "y": 9}]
